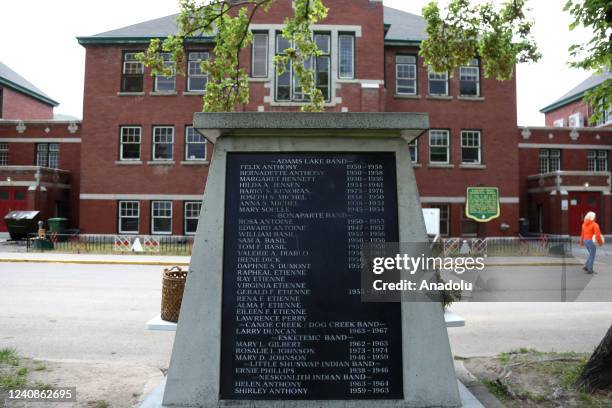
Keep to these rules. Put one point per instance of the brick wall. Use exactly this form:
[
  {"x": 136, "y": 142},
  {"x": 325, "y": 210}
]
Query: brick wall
[
  {"x": 22, "y": 152},
  {"x": 105, "y": 111},
  {"x": 16, "y": 105}
]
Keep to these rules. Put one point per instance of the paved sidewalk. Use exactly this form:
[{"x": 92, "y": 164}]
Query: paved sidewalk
[{"x": 52, "y": 257}]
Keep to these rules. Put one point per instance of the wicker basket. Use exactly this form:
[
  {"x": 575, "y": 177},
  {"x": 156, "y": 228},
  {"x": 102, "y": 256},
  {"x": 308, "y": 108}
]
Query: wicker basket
[{"x": 173, "y": 285}]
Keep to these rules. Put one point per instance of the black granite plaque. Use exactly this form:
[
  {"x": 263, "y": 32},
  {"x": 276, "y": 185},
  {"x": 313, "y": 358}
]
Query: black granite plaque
[{"x": 293, "y": 324}]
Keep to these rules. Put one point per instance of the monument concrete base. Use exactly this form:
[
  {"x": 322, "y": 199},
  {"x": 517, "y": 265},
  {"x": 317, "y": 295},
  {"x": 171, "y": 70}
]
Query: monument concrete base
[{"x": 154, "y": 399}]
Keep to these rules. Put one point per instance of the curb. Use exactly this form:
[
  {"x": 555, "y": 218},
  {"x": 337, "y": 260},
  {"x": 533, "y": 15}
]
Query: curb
[{"x": 94, "y": 262}]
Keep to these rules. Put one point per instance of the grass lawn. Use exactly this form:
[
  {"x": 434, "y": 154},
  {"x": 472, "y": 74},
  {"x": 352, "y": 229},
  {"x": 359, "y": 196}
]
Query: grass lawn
[{"x": 531, "y": 378}]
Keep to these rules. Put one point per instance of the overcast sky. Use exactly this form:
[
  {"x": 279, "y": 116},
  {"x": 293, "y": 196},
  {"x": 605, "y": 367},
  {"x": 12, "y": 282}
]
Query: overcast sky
[{"x": 38, "y": 41}]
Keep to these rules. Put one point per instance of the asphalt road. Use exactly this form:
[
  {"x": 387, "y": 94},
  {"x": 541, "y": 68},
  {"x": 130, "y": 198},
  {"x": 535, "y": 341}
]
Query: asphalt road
[
  {"x": 98, "y": 312},
  {"x": 83, "y": 312}
]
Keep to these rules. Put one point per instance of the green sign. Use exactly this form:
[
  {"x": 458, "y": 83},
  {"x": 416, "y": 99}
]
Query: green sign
[{"x": 482, "y": 203}]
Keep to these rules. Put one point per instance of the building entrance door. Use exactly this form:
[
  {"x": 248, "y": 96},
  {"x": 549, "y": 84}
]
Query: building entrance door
[
  {"x": 11, "y": 199},
  {"x": 580, "y": 203}
]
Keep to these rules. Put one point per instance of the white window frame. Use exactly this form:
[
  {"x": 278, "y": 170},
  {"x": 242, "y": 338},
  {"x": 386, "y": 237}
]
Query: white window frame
[
  {"x": 130, "y": 63},
  {"x": 597, "y": 160},
  {"x": 546, "y": 158},
  {"x": 414, "y": 145},
  {"x": 469, "y": 70},
  {"x": 265, "y": 49},
  {"x": 154, "y": 217},
  {"x": 447, "y": 209},
  {"x": 351, "y": 75},
  {"x": 188, "y": 142},
  {"x": 121, "y": 216},
  {"x": 157, "y": 142},
  {"x": 437, "y": 77},
  {"x": 399, "y": 64},
  {"x": 188, "y": 214},
  {"x": 477, "y": 146},
  {"x": 447, "y": 145},
  {"x": 122, "y": 141},
  {"x": 168, "y": 63},
  {"x": 51, "y": 155},
  {"x": 199, "y": 73},
  {"x": 4, "y": 151},
  {"x": 294, "y": 95}
]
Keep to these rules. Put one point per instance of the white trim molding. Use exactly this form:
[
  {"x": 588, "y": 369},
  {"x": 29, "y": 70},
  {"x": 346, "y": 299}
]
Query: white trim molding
[
  {"x": 562, "y": 146},
  {"x": 461, "y": 200},
  {"x": 569, "y": 173},
  {"x": 553, "y": 189},
  {"x": 143, "y": 197},
  {"x": 34, "y": 184},
  {"x": 41, "y": 139}
]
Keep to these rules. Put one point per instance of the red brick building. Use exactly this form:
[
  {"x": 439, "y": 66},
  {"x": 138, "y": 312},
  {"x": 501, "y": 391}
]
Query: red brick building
[
  {"x": 571, "y": 111},
  {"x": 143, "y": 169},
  {"x": 565, "y": 173},
  {"x": 39, "y": 154}
]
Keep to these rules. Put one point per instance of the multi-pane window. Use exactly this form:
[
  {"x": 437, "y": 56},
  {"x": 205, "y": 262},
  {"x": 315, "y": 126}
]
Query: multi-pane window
[
  {"x": 439, "y": 146},
  {"x": 604, "y": 119},
  {"x": 130, "y": 143},
  {"x": 195, "y": 145},
  {"x": 288, "y": 84},
  {"x": 192, "y": 213},
  {"x": 550, "y": 160},
  {"x": 3, "y": 154},
  {"x": 438, "y": 83},
  {"x": 597, "y": 160},
  {"x": 129, "y": 215},
  {"x": 469, "y": 79},
  {"x": 323, "y": 64},
  {"x": 414, "y": 150},
  {"x": 166, "y": 83},
  {"x": 132, "y": 73},
  {"x": 161, "y": 217},
  {"x": 163, "y": 142},
  {"x": 346, "y": 56},
  {"x": 196, "y": 77},
  {"x": 471, "y": 148},
  {"x": 405, "y": 75},
  {"x": 259, "y": 51},
  {"x": 47, "y": 155},
  {"x": 444, "y": 218}
]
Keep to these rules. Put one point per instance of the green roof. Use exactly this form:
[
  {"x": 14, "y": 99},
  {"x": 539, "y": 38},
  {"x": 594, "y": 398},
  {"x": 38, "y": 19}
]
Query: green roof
[
  {"x": 13, "y": 80},
  {"x": 578, "y": 91}
]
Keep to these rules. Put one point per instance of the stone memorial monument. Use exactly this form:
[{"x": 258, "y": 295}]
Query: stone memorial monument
[{"x": 272, "y": 314}]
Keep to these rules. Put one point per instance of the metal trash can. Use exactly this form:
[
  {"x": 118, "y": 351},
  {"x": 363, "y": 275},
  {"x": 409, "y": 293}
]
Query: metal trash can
[
  {"x": 523, "y": 226},
  {"x": 58, "y": 226},
  {"x": 21, "y": 223}
]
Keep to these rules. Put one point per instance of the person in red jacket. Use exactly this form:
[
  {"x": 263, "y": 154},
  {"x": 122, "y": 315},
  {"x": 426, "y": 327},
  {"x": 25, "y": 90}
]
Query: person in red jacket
[{"x": 590, "y": 232}]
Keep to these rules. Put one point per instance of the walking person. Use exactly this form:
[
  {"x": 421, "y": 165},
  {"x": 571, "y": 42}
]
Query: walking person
[{"x": 589, "y": 235}]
